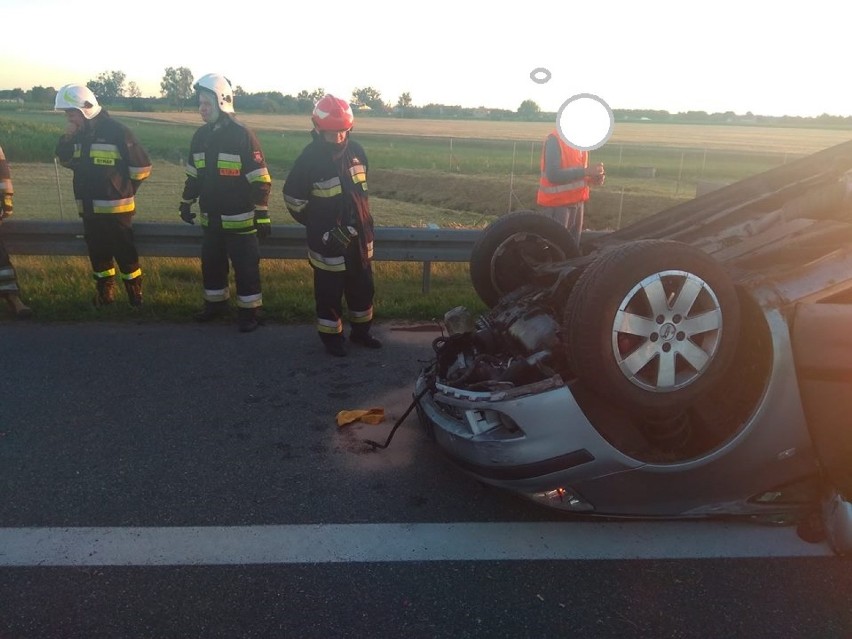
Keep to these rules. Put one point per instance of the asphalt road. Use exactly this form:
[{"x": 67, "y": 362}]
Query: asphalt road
[{"x": 167, "y": 447}]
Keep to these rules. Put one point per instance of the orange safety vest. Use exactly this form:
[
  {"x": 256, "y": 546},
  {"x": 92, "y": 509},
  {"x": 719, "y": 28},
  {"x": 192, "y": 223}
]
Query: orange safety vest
[{"x": 552, "y": 194}]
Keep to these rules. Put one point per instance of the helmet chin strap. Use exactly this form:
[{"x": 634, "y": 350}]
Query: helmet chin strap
[
  {"x": 87, "y": 125},
  {"x": 217, "y": 112},
  {"x": 337, "y": 148}
]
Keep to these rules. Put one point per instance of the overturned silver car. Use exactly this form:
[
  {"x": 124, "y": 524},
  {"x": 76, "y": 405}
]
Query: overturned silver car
[{"x": 696, "y": 363}]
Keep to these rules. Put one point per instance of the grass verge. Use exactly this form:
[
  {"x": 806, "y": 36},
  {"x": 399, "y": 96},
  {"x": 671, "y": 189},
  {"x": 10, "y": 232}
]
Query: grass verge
[{"x": 60, "y": 289}]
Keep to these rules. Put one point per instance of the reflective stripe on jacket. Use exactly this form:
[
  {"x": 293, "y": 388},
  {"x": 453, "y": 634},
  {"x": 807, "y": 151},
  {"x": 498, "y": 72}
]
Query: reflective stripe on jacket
[
  {"x": 238, "y": 223},
  {"x": 553, "y": 194}
]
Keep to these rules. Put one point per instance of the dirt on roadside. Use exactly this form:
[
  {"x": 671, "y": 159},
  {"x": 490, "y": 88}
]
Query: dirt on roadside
[{"x": 492, "y": 196}]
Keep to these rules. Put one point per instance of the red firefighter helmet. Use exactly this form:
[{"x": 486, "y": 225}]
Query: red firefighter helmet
[{"x": 332, "y": 114}]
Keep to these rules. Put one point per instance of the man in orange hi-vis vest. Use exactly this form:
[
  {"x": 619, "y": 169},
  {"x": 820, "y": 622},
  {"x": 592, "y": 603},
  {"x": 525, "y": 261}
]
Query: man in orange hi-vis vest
[{"x": 564, "y": 183}]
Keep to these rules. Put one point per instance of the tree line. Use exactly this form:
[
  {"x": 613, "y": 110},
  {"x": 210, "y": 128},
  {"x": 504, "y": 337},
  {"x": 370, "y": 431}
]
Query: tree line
[{"x": 176, "y": 92}]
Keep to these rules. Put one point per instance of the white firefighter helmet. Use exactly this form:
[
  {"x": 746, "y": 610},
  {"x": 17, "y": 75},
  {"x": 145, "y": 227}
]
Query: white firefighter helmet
[
  {"x": 77, "y": 96},
  {"x": 219, "y": 86}
]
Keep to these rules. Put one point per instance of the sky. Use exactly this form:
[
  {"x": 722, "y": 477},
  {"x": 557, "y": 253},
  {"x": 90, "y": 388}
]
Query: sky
[{"x": 767, "y": 58}]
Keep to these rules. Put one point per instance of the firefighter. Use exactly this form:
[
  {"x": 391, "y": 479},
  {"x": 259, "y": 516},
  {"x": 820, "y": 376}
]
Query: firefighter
[
  {"x": 8, "y": 278},
  {"x": 326, "y": 191},
  {"x": 564, "y": 183},
  {"x": 226, "y": 173},
  {"x": 109, "y": 164}
]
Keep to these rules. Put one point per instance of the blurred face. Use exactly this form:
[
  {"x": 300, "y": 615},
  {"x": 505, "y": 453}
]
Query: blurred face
[
  {"x": 76, "y": 121},
  {"x": 207, "y": 107},
  {"x": 335, "y": 137}
]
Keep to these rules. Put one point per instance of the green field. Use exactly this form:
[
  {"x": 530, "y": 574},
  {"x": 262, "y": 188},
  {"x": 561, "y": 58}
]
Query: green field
[{"x": 450, "y": 173}]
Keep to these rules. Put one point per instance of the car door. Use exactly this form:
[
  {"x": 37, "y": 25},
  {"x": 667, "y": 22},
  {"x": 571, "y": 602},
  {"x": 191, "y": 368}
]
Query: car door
[{"x": 821, "y": 334}]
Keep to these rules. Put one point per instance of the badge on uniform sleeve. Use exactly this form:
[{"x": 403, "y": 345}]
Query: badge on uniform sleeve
[{"x": 258, "y": 157}]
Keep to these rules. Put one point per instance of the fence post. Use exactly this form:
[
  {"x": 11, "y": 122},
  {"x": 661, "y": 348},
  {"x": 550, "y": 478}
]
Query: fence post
[
  {"x": 679, "y": 174},
  {"x": 512, "y": 178},
  {"x": 58, "y": 187}
]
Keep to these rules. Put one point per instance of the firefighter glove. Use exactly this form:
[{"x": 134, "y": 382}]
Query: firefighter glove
[
  {"x": 5, "y": 206},
  {"x": 185, "y": 213},
  {"x": 262, "y": 224},
  {"x": 340, "y": 237}
]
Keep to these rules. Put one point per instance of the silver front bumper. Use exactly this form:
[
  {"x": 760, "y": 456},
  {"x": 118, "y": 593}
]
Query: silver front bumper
[{"x": 530, "y": 439}]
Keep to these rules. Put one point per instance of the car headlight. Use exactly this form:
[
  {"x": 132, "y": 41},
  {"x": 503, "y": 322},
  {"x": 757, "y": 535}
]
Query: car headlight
[
  {"x": 491, "y": 421},
  {"x": 564, "y": 499}
]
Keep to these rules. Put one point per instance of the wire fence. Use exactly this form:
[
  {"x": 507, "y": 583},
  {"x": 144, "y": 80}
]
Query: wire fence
[{"x": 485, "y": 178}]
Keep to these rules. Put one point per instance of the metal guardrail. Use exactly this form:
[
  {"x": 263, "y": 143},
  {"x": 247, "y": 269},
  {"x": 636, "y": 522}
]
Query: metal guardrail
[{"x": 393, "y": 244}]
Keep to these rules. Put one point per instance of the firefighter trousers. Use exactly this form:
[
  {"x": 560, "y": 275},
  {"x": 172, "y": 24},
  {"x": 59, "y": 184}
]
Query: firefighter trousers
[
  {"x": 355, "y": 285},
  {"x": 110, "y": 236},
  {"x": 242, "y": 249}
]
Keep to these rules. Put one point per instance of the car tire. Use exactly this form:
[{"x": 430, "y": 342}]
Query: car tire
[
  {"x": 684, "y": 318},
  {"x": 504, "y": 256}
]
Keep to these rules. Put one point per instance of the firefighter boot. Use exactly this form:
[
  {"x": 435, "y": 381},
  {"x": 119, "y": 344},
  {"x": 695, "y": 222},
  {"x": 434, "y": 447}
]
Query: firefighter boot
[
  {"x": 21, "y": 310},
  {"x": 105, "y": 291},
  {"x": 364, "y": 338},
  {"x": 247, "y": 319},
  {"x": 134, "y": 291},
  {"x": 333, "y": 344},
  {"x": 211, "y": 311}
]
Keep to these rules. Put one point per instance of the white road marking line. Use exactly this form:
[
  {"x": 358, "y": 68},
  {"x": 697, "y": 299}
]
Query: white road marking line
[{"x": 349, "y": 543}]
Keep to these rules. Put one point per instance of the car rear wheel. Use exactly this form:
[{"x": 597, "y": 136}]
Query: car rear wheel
[
  {"x": 504, "y": 257},
  {"x": 652, "y": 324}
]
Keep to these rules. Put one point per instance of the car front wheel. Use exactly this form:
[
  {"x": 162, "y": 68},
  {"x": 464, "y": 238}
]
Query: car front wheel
[{"x": 652, "y": 324}]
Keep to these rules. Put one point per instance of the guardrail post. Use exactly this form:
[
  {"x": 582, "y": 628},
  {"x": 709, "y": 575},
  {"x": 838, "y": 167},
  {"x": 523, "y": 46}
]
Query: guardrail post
[
  {"x": 427, "y": 276},
  {"x": 427, "y": 265}
]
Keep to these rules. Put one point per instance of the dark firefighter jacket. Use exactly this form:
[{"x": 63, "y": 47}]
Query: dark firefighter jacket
[
  {"x": 226, "y": 172},
  {"x": 108, "y": 164},
  {"x": 325, "y": 189}
]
